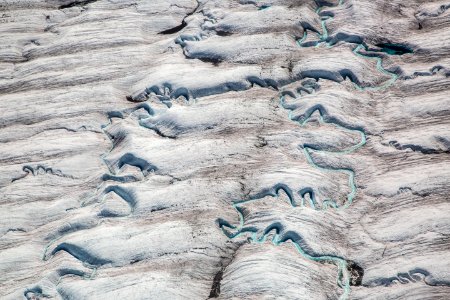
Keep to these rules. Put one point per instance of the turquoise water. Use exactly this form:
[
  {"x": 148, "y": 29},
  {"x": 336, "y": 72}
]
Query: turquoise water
[{"x": 343, "y": 277}]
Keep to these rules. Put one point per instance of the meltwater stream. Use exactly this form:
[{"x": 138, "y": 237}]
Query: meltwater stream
[{"x": 235, "y": 231}]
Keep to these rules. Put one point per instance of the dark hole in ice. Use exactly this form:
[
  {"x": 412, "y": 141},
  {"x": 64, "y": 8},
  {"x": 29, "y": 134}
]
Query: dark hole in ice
[
  {"x": 215, "y": 289},
  {"x": 322, "y": 3},
  {"x": 356, "y": 273},
  {"x": 215, "y": 61},
  {"x": 76, "y": 3},
  {"x": 223, "y": 33},
  {"x": 394, "y": 49},
  {"x": 174, "y": 29}
]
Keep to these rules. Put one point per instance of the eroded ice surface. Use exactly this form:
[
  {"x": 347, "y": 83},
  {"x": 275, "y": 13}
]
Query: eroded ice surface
[{"x": 224, "y": 149}]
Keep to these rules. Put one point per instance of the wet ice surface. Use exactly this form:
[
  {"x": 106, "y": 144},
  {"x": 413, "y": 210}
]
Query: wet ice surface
[{"x": 224, "y": 149}]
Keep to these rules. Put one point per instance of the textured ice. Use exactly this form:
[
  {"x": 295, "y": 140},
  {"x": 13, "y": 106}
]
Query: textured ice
[{"x": 243, "y": 149}]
